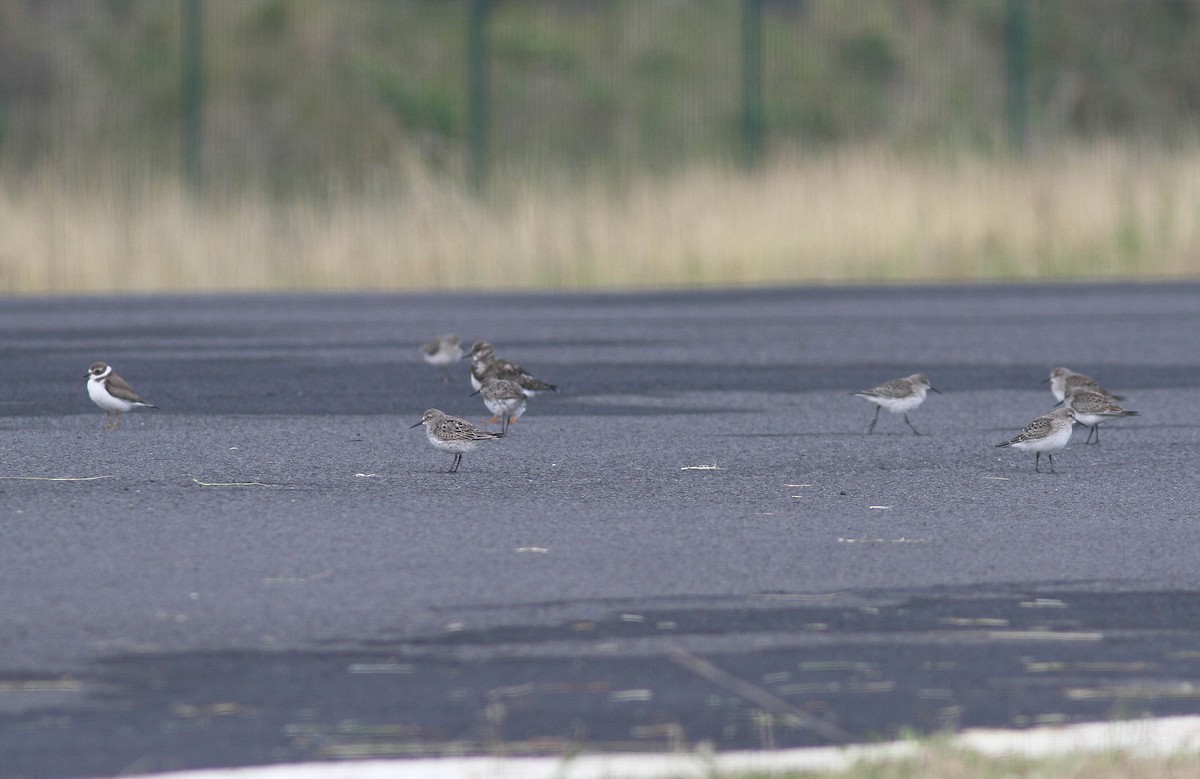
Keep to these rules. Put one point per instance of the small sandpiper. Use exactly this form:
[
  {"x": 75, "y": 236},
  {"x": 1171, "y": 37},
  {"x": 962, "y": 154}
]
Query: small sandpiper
[
  {"x": 504, "y": 398},
  {"x": 1092, "y": 407},
  {"x": 112, "y": 393},
  {"x": 1048, "y": 434},
  {"x": 484, "y": 363},
  {"x": 454, "y": 435},
  {"x": 1063, "y": 380},
  {"x": 898, "y": 396},
  {"x": 442, "y": 352}
]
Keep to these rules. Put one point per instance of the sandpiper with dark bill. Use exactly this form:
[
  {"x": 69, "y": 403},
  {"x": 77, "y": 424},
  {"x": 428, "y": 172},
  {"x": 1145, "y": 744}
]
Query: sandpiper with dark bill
[
  {"x": 112, "y": 393},
  {"x": 899, "y": 396},
  {"x": 1091, "y": 408},
  {"x": 1048, "y": 434},
  {"x": 484, "y": 363},
  {"x": 1063, "y": 380},
  {"x": 454, "y": 435},
  {"x": 442, "y": 352},
  {"x": 504, "y": 398}
]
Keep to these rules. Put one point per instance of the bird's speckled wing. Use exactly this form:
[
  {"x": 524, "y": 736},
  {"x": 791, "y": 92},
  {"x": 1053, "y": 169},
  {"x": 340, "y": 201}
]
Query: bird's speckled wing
[
  {"x": 510, "y": 371},
  {"x": 537, "y": 385},
  {"x": 896, "y": 388},
  {"x": 1038, "y": 428},
  {"x": 503, "y": 389},
  {"x": 455, "y": 429},
  {"x": 1080, "y": 380},
  {"x": 1087, "y": 402}
]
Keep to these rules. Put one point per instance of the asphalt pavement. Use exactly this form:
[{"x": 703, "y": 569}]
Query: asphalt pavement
[{"x": 692, "y": 542}]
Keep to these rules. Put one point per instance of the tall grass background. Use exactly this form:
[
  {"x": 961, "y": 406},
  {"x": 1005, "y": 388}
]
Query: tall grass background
[
  {"x": 1100, "y": 211},
  {"x": 334, "y": 146}
]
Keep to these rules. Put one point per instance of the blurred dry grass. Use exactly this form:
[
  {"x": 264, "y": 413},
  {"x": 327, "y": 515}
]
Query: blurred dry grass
[
  {"x": 949, "y": 763},
  {"x": 1102, "y": 211}
]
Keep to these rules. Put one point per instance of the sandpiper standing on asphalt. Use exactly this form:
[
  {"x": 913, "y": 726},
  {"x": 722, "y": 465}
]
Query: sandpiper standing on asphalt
[
  {"x": 112, "y": 393},
  {"x": 898, "y": 396},
  {"x": 1092, "y": 407},
  {"x": 454, "y": 435},
  {"x": 1048, "y": 434},
  {"x": 442, "y": 352},
  {"x": 1063, "y": 380},
  {"x": 484, "y": 363},
  {"x": 504, "y": 398}
]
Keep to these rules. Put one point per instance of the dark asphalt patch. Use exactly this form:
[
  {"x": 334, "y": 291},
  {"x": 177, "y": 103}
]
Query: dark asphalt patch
[{"x": 873, "y": 667}]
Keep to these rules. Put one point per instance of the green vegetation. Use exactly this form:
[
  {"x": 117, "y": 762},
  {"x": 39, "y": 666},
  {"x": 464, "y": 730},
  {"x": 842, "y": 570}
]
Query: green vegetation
[
  {"x": 338, "y": 91},
  {"x": 334, "y": 145}
]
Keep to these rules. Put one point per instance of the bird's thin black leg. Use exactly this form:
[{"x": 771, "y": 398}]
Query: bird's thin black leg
[
  {"x": 457, "y": 460},
  {"x": 1037, "y": 460},
  {"x": 1051, "y": 461},
  {"x": 871, "y": 429},
  {"x": 910, "y": 424}
]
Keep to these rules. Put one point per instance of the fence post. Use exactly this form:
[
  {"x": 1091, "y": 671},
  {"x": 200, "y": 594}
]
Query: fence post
[
  {"x": 1016, "y": 61},
  {"x": 478, "y": 92},
  {"x": 752, "y": 82},
  {"x": 193, "y": 89}
]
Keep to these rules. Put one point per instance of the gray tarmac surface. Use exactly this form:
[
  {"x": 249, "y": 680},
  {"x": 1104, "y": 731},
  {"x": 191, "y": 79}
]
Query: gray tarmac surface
[{"x": 692, "y": 541}]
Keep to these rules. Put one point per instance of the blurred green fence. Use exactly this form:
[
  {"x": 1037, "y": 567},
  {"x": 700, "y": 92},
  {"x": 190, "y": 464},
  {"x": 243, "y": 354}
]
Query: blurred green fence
[{"x": 296, "y": 93}]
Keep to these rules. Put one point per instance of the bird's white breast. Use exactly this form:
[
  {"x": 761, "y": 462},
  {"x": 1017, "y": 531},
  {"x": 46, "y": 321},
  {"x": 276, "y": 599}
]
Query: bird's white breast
[
  {"x": 99, "y": 395},
  {"x": 1085, "y": 418},
  {"x": 514, "y": 407},
  {"x": 1051, "y": 443},
  {"x": 455, "y": 445},
  {"x": 899, "y": 405},
  {"x": 444, "y": 357}
]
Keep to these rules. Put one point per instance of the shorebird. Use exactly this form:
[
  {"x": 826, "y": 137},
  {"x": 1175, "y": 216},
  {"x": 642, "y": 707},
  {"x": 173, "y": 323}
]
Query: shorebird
[
  {"x": 504, "y": 398},
  {"x": 1063, "y": 380},
  {"x": 112, "y": 393},
  {"x": 442, "y": 352},
  {"x": 1092, "y": 407},
  {"x": 454, "y": 435},
  {"x": 898, "y": 396},
  {"x": 484, "y": 363},
  {"x": 1048, "y": 434}
]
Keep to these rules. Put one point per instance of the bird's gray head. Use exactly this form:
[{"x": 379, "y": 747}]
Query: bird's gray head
[
  {"x": 431, "y": 415},
  {"x": 480, "y": 350},
  {"x": 921, "y": 380}
]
